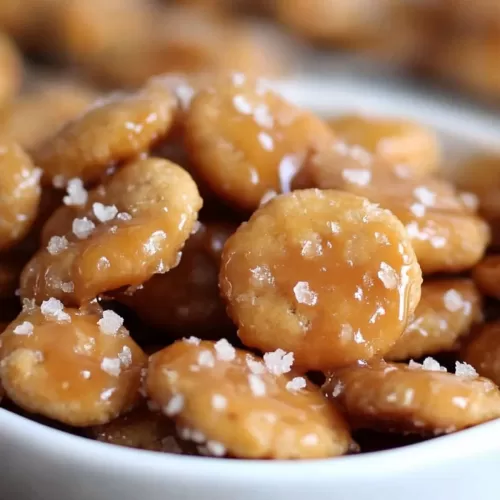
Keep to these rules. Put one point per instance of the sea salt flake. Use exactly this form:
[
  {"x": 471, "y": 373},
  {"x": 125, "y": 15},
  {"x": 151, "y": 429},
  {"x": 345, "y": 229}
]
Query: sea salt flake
[
  {"x": 105, "y": 395},
  {"x": 430, "y": 364},
  {"x": 279, "y": 361},
  {"x": 198, "y": 437},
  {"x": 111, "y": 366},
  {"x": 124, "y": 216},
  {"x": 465, "y": 370},
  {"x": 453, "y": 300},
  {"x": 77, "y": 195},
  {"x": 310, "y": 440},
  {"x": 174, "y": 406},
  {"x": 219, "y": 402},
  {"x": 268, "y": 196},
  {"x": 104, "y": 213},
  {"x": 459, "y": 401},
  {"x": 25, "y": 328},
  {"x": 54, "y": 309},
  {"x": 125, "y": 356},
  {"x": 266, "y": 141},
  {"x": 215, "y": 448},
  {"x": 388, "y": 276},
  {"x": 425, "y": 196},
  {"x": 82, "y": 228},
  {"x": 338, "y": 389},
  {"x": 257, "y": 385},
  {"x": 413, "y": 365},
  {"x": 224, "y": 350},
  {"x": 68, "y": 287},
  {"x": 85, "y": 374},
  {"x": 192, "y": 340},
  {"x": 110, "y": 323},
  {"x": 256, "y": 367},
  {"x": 296, "y": 384},
  {"x": 242, "y": 105},
  {"x": 418, "y": 209},
  {"x": 358, "y": 176},
  {"x": 206, "y": 358},
  {"x": 304, "y": 295},
  {"x": 57, "y": 244}
]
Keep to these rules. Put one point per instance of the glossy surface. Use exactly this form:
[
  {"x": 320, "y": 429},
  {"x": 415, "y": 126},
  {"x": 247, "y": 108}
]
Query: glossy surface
[
  {"x": 113, "y": 130},
  {"x": 324, "y": 274},
  {"x": 246, "y": 142},
  {"x": 403, "y": 399},
  {"x": 398, "y": 141},
  {"x": 186, "y": 300},
  {"x": 19, "y": 193},
  {"x": 447, "y": 311},
  {"x": 63, "y": 366},
  {"x": 240, "y": 407},
  {"x": 161, "y": 204}
]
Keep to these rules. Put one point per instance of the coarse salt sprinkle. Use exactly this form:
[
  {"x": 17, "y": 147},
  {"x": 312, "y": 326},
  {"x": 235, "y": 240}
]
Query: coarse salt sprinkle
[{"x": 110, "y": 323}]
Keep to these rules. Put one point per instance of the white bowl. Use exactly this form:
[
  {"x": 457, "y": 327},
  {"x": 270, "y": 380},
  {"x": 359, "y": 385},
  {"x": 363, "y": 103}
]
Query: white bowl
[{"x": 40, "y": 463}]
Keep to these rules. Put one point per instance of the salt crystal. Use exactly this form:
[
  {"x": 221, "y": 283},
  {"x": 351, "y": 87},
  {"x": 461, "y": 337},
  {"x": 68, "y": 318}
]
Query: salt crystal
[
  {"x": 425, "y": 196},
  {"x": 268, "y": 196},
  {"x": 124, "y": 216},
  {"x": 256, "y": 367},
  {"x": 174, "y": 406},
  {"x": 68, "y": 287},
  {"x": 338, "y": 389},
  {"x": 408, "y": 397},
  {"x": 206, "y": 358},
  {"x": 110, "y": 323},
  {"x": 215, "y": 448},
  {"x": 278, "y": 362},
  {"x": 459, "y": 401},
  {"x": 224, "y": 350},
  {"x": 105, "y": 395},
  {"x": 125, "y": 356},
  {"x": 111, "y": 366},
  {"x": 54, "y": 309},
  {"x": 262, "y": 116},
  {"x": 85, "y": 374},
  {"x": 432, "y": 365},
  {"x": 104, "y": 213},
  {"x": 418, "y": 209},
  {"x": 57, "y": 244},
  {"x": 358, "y": 176},
  {"x": 304, "y": 295},
  {"x": 82, "y": 228},
  {"x": 192, "y": 340},
  {"x": 296, "y": 384},
  {"x": 388, "y": 276},
  {"x": 25, "y": 328},
  {"x": 238, "y": 79},
  {"x": 413, "y": 365},
  {"x": 310, "y": 440},
  {"x": 77, "y": 194},
  {"x": 453, "y": 301},
  {"x": 242, "y": 105},
  {"x": 257, "y": 385},
  {"x": 29, "y": 305},
  {"x": 266, "y": 141},
  {"x": 465, "y": 370},
  {"x": 198, "y": 437},
  {"x": 219, "y": 402}
]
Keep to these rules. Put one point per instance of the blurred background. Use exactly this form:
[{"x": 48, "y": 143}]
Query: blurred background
[{"x": 102, "y": 44}]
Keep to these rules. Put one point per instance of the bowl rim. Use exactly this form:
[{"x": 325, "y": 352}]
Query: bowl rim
[{"x": 329, "y": 95}]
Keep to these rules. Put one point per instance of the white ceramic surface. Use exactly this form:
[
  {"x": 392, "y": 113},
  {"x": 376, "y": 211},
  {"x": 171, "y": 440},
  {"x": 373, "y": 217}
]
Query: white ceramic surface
[{"x": 39, "y": 463}]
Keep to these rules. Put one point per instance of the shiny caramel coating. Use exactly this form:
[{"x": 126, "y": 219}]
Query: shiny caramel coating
[
  {"x": 36, "y": 115},
  {"x": 482, "y": 351},
  {"x": 246, "y": 415},
  {"x": 397, "y": 141},
  {"x": 396, "y": 397},
  {"x": 481, "y": 176},
  {"x": 142, "y": 429},
  {"x": 158, "y": 202},
  {"x": 445, "y": 233},
  {"x": 68, "y": 369},
  {"x": 20, "y": 193},
  {"x": 323, "y": 274},
  {"x": 487, "y": 276},
  {"x": 245, "y": 141},
  {"x": 447, "y": 310},
  {"x": 113, "y": 130},
  {"x": 445, "y": 242},
  {"x": 11, "y": 70},
  {"x": 186, "y": 300}
]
